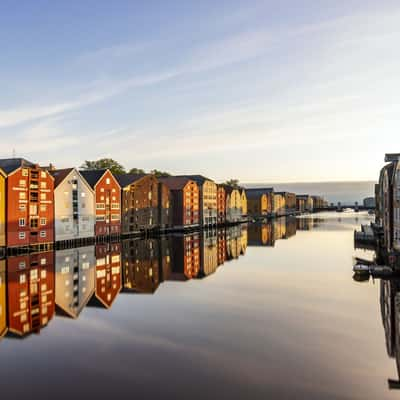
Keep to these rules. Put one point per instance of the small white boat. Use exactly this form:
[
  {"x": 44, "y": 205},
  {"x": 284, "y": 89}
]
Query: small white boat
[{"x": 361, "y": 269}]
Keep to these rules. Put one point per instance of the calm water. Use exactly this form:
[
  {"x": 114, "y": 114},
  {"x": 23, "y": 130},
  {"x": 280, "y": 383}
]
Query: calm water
[{"x": 280, "y": 318}]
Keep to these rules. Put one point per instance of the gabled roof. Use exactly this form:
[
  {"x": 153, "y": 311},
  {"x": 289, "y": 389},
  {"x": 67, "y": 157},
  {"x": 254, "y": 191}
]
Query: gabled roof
[
  {"x": 285, "y": 193},
  {"x": 197, "y": 178},
  {"x": 2, "y": 173},
  {"x": 303, "y": 196},
  {"x": 59, "y": 175},
  {"x": 9, "y": 165},
  {"x": 230, "y": 189},
  {"x": 256, "y": 192},
  {"x": 176, "y": 182},
  {"x": 127, "y": 179},
  {"x": 92, "y": 176}
]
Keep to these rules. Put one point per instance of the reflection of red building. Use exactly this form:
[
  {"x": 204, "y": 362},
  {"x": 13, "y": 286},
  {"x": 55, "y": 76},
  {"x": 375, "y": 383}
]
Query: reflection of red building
[
  {"x": 221, "y": 205},
  {"x": 108, "y": 274},
  {"x": 3, "y": 299},
  {"x": 108, "y": 201},
  {"x": 185, "y": 256},
  {"x": 30, "y": 203},
  {"x": 30, "y": 295},
  {"x": 221, "y": 243}
]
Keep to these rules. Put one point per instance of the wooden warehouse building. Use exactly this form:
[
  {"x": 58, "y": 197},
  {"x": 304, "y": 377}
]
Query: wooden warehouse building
[
  {"x": 107, "y": 196},
  {"x": 30, "y": 204}
]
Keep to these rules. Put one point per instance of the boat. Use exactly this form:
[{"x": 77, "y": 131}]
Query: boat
[{"x": 361, "y": 269}]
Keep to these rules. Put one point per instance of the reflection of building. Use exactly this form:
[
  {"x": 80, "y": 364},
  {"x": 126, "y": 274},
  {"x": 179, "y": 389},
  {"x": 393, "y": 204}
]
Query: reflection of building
[
  {"x": 108, "y": 201},
  {"x": 221, "y": 204},
  {"x": 234, "y": 208},
  {"x": 233, "y": 242},
  {"x": 30, "y": 292},
  {"x": 290, "y": 227},
  {"x": 75, "y": 276},
  {"x": 165, "y": 257},
  {"x": 280, "y": 228},
  {"x": 221, "y": 244},
  {"x": 73, "y": 205},
  {"x": 140, "y": 261},
  {"x": 290, "y": 202},
  {"x": 185, "y": 256},
  {"x": 30, "y": 203},
  {"x": 244, "y": 239},
  {"x": 208, "y": 252},
  {"x": 244, "y": 202},
  {"x": 3, "y": 299},
  {"x": 107, "y": 274},
  {"x": 261, "y": 234},
  {"x": 304, "y": 224},
  {"x": 390, "y": 311}
]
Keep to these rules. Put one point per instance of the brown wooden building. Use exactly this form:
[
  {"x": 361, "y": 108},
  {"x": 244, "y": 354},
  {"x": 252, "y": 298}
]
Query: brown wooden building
[
  {"x": 107, "y": 194},
  {"x": 185, "y": 201},
  {"x": 221, "y": 244},
  {"x": 260, "y": 201},
  {"x": 30, "y": 292},
  {"x": 290, "y": 202},
  {"x": 30, "y": 203},
  {"x": 140, "y": 202}
]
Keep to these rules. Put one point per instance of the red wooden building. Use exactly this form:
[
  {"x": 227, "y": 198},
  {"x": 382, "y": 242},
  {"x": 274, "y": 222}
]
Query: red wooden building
[
  {"x": 30, "y": 203},
  {"x": 30, "y": 292},
  {"x": 221, "y": 205},
  {"x": 107, "y": 201}
]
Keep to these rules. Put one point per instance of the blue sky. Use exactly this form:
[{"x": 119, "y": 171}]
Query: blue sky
[{"x": 260, "y": 91}]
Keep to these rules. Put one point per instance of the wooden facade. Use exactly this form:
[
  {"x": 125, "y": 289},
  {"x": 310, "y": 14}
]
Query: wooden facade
[
  {"x": 185, "y": 257},
  {"x": 107, "y": 196},
  {"x": 140, "y": 202},
  {"x": 234, "y": 205},
  {"x": 208, "y": 252},
  {"x": 74, "y": 206},
  {"x": 30, "y": 292},
  {"x": 30, "y": 204},
  {"x": 141, "y": 265},
  {"x": 185, "y": 197},
  {"x": 75, "y": 279},
  {"x": 221, "y": 205},
  {"x": 221, "y": 244},
  {"x": 108, "y": 279},
  {"x": 290, "y": 202},
  {"x": 2, "y": 210},
  {"x": 244, "y": 202},
  {"x": 208, "y": 199}
]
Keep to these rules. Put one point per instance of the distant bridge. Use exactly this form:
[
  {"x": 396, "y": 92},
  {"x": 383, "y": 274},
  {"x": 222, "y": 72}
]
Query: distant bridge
[{"x": 341, "y": 207}]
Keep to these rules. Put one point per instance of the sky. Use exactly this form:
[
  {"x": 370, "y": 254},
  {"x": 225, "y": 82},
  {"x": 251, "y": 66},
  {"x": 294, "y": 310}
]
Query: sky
[{"x": 261, "y": 91}]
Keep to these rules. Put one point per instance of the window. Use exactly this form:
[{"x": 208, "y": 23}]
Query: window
[
  {"x": 100, "y": 218},
  {"x": 24, "y": 172},
  {"x": 115, "y": 217},
  {"x": 100, "y": 206},
  {"x": 34, "y": 223},
  {"x": 21, "y": 235},
  {"x": 43, "y": 234},
  {"x": 21, "y": 265},
  {"x": 43, "y": 221},
  {"x": 83, "y": 194},
  {"x": 108, "y": 181},
  {"x": 22, "y": 182},
  {"x": 43, "y": 174},
  {"x": 43, "y": 262},
  {"x": 102, "y": 190},
  {"x": 43, "y": 185},
  {"x": 21, "y": 222},
  {"x": 43, "y": 196},
  {"x": 22, "y": 207},
  {"x": 22, "y": 279},
  {"x": 43, "y": 272},
  {"x": 115, "y": 206},
  {"x": 22, "y": 195},
  {"x": 43, "y": 208}
]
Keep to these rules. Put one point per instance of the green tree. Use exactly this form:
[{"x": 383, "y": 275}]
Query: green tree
[
  {"x": 104, "y": 163},
  {"x": 136, "y": 171},
  {"x": 159, "y": 174},
  {"x": 233, "y": 183}
]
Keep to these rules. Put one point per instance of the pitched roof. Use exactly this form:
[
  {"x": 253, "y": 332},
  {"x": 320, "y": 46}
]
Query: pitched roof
[
  {"x": 175, "y": 182},
  {"x": 59, "y": 175},
  {"x": 9, "y": 165},
  {"x": 128, "y": 179},
  {"x": 256, "y": 192},
  {"x": 197, "y": 178},
  {"x": 230, "y": 189},
  {"x": 92, "y": 176}
]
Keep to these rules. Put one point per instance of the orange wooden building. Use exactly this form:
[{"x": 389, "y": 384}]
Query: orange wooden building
[
  {"x": 107, "y": 200},
  {"x": 30, "y": 203}
]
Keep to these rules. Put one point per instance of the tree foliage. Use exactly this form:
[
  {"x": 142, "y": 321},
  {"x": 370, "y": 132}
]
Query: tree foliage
[
  {"x": 159, "y": 174},
  {"x": 104, "y": 163},
  {"x": 136, "y": 171},
  {"x": 233, "y": 183}
]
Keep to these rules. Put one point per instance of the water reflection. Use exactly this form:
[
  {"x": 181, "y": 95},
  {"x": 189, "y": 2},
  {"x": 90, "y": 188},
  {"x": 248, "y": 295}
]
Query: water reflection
[
  {"x": 33, "y": 287},
  {"x": 390, "y": 310}
]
